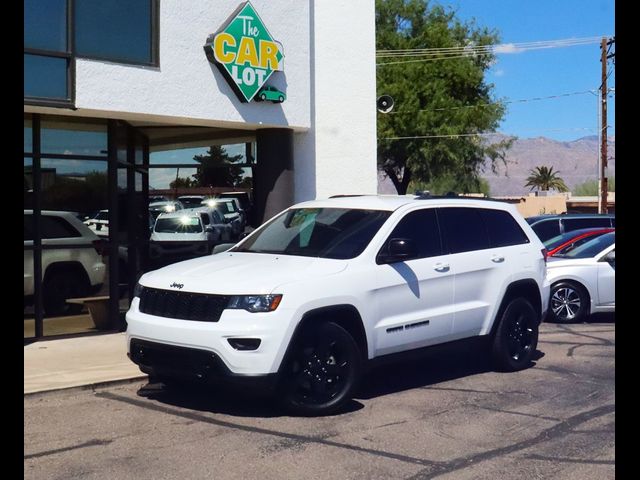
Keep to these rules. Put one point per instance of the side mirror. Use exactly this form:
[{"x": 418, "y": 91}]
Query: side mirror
[
  {"x": 610, "y": 257},
  {"x": 208, "y": 229},
  {"x": 399, "y": 250}
]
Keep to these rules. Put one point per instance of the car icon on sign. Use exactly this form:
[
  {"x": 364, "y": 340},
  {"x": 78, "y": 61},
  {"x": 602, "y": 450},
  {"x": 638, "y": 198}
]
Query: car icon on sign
[{"x": 270, "y": 93}]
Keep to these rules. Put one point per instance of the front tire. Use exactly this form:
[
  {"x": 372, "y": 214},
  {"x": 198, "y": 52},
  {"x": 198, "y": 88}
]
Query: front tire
[
  {"x": 322, "y": 372},
  {"x": 569, "y": 303},
  {"x": 516, "y": 337}
]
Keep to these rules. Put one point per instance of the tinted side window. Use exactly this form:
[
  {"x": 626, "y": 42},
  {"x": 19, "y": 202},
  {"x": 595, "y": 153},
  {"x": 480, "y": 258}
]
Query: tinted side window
[
  {"x": 547, "y": 229},
  {"x": 205, "y": 218},
  {"x": 55, "y": 227},
  {"x": 576, "y": 223},
  {"x": 502, "y": 228},
  {"x": 463, "y": 229},
  {"x": 422, "y": 227}
]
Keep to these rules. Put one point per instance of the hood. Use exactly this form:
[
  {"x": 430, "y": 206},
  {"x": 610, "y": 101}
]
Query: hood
[
  {"x": 557, "y": 262},
  {"x": 238, "y": 273},
  {"x": 177, "y": 237}
]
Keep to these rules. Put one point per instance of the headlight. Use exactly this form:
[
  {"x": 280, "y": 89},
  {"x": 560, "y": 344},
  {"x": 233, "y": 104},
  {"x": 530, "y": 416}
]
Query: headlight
[
  {"x": 137, "y": 290},
  {"x": 255, "y": 303}
]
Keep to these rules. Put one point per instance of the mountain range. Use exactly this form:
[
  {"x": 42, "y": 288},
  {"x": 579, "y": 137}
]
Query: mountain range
[{"x": 575, "y": 161}]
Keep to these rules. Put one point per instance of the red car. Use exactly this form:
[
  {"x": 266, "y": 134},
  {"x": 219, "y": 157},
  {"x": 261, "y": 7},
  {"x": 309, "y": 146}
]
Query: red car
[{"x": 565, "y": 242}]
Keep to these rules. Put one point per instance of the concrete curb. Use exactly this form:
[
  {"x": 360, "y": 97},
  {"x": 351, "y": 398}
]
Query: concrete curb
[{"x": 89, "y": 386}]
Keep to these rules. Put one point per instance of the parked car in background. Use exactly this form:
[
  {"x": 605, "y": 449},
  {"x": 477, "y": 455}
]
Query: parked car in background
[
  {"x": 548, "y": 226},
  {"x": 170, "y": 206},
  {"x": 227, "y": 207},
  {"x": 212, "y": 217},
  {"x": 73, "y": 268},
  {"x": 306, "y": 300},
  {"x": 191, "y": 201},
  {"x": 245, "y": 201},
  {"x": 180, "y": 235},
  {"x": 583, "y": 280},
  {"x": 98, "y": 223},
  {"x": 158, "y": 198},
  {"x": 565, "y": 242}
]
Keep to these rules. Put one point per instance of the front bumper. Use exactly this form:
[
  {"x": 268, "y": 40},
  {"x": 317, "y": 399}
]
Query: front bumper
[
  {"x": 193, "y": 365},
  {"x": 216, "y": 338}
]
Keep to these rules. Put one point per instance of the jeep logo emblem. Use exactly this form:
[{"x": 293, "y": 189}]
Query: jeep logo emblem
[{"x": 177, "y": 285}]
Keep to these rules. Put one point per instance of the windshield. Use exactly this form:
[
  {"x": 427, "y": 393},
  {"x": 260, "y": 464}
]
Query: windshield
[
  {"x": 191, "y": 202},
  {"x": 317, "y": 232},
  {"x": 178, "y": 225},
  {"x": 592, "y": 247}
]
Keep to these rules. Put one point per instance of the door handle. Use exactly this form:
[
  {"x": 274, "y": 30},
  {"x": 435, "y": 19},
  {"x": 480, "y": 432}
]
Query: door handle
[
  {"x": 441, "y": 267},
  {"x": 497, "y": 259}
]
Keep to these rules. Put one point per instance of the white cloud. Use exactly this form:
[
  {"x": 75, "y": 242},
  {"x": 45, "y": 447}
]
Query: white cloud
[{"x": 507, "y": 48}]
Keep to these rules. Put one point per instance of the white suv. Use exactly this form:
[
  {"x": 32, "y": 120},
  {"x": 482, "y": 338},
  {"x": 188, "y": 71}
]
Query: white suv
[
  {"x": 308, "y": 299},
  {"x": 72, "y": 263}
]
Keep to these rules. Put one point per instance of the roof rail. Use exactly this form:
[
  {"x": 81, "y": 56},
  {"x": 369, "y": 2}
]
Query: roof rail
[{"x": 345, "y": 196}]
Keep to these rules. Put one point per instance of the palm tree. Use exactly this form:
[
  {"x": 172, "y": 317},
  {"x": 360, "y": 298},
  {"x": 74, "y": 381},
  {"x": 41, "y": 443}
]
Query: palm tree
[{"x": 544, "y": 178}]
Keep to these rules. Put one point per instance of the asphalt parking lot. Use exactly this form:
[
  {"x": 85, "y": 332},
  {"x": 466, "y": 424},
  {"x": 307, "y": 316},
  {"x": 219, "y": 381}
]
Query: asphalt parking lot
[{"x": 446, "y": 415}]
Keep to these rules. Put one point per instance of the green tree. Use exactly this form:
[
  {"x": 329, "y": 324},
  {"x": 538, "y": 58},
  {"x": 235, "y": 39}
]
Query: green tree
[
  {"x": 449, "y": 183},
  {"x": 443, "y": 98},
  {"x": 590, "y": 188},
  {"x": 544, "y": 178},
  {"x": 183, "y": 182},
  {"x": 217, "y": 168}
]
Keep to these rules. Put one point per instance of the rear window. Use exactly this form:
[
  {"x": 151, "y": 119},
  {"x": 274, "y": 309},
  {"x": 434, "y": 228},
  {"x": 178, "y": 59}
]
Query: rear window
[
  {"x": 56, "y": 227},
  {"x": 547, "y": 229},
  {"x": 502, "y": 228},
  {"x": 576, "y": 223}
]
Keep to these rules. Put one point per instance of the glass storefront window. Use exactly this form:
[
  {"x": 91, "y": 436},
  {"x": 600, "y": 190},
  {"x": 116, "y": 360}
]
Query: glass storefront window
[
  {"x": 28, "y": 134},
  {"x": 74, "y": 185},
  {"x": 45, "y": 24},
  {"x": 117, "y": 30},
  {"x": 28, "y": 183},
  {"x": 29, "y": 313},
  {"x": 73, "y": 136},
  {"x": 45, "y": 77}
]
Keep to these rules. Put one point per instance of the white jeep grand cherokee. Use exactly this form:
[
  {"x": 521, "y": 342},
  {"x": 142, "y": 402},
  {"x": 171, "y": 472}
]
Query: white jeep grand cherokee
[{"x": 304, "y": 302}]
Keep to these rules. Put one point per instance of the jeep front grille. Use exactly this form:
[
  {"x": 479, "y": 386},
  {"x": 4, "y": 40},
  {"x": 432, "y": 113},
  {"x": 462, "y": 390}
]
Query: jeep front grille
[{"x": 198, "y": 307}]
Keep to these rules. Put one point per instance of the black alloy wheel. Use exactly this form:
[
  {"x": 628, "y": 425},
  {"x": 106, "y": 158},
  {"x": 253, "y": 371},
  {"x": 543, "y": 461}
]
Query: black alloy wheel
[
  {"x": 568, "y": 303},
  {"x": 321, "y": 374},
  {"x": 516, "y": 337}
]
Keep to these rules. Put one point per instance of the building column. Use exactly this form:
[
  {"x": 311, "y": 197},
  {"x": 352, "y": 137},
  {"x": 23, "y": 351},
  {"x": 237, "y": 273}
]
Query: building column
[{"x": 273, "y": 173}]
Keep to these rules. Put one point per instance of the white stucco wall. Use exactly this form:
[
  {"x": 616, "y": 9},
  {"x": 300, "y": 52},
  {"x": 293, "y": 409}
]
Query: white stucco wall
[
  {"x": 329, "y": 78},
  {"x": 189, "y": 88},
  {"x": 339, "y": 155}
]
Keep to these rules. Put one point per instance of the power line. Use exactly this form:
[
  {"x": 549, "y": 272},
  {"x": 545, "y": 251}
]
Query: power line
[
  {"x": 442, "y": 53},
  {"x": 484, "y": 134},
  {"x": 522, "y": 100}
]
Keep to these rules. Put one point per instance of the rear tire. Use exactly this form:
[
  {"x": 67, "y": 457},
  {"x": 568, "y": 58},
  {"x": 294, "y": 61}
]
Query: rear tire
[
  {"x": 58, "y": 287},
  {"x": 516, "y": 338},
  {"x": 569, "y": 303},
  {"x": 322, "y": 372}
]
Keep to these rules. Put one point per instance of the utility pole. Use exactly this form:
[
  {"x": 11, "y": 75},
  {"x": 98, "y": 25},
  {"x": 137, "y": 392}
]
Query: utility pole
[
  {"x": 602, "y": 202},
  {"x": 603, "y": 130}
]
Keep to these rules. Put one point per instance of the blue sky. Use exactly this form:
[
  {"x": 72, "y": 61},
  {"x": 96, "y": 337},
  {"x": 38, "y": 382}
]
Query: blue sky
[{"x": 541, "y": 73}]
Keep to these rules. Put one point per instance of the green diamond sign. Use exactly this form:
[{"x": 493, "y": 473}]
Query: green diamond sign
[{"x": 245, "y": 52}]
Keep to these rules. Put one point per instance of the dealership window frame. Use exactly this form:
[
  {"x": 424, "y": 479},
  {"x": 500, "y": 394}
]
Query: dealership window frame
[
  {"x": 115, "y": 130},
  {"x": 70, "y": 55}
]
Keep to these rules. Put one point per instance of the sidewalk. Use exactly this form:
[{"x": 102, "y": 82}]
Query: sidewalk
[{"x": 75, "y": 362}]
